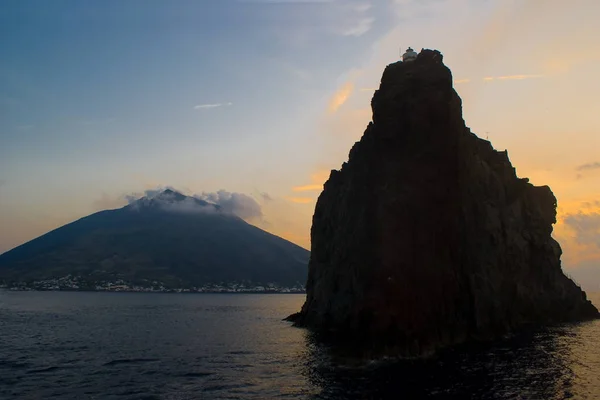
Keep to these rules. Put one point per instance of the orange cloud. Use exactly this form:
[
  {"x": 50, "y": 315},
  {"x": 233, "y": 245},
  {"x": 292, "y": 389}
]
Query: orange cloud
[
  {"x": 307, "y": 188},
  {"x": 578, "y": 232},
  {"x": 318, "y": 180},
  {"x": 300, "y": 200},
  {"x": 341, "y": 96},
  {"x": 511, "y": 77}
]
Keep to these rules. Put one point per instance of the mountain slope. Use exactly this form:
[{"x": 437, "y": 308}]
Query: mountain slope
[{"x": 171, "y": 238}]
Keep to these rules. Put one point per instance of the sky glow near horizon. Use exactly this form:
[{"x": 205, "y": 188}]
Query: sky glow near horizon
[{"x": 99, "y": 100}]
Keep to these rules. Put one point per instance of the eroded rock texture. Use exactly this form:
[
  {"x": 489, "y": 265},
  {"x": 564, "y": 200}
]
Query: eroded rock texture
[{"x": 426, "y": 237}]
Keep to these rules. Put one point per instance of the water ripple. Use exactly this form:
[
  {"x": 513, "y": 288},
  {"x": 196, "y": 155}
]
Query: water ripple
[{"x": 153, "y": 346}]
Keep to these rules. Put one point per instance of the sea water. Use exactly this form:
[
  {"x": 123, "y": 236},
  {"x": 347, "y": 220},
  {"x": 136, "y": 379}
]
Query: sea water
[{"x": 75, "y": 345}]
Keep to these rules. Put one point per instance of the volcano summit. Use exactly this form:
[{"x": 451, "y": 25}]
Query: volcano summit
[{"x": 171, "y": 238}]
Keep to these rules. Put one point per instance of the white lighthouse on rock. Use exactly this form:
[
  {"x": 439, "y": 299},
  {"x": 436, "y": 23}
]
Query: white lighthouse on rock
[{"x": 410, "y": 55}]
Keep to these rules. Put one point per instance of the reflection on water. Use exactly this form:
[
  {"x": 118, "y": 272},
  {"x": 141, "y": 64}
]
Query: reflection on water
[
  {"x": 553, "y": 364},
  {"x": 157, "y": 346}
]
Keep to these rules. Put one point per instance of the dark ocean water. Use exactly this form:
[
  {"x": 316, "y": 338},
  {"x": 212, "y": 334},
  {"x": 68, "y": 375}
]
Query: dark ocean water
[{"x": 168, "y": 346}]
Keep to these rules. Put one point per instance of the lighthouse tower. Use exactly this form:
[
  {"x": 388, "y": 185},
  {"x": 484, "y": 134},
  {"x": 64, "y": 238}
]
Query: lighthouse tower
[{"x": 410, "y": 55}]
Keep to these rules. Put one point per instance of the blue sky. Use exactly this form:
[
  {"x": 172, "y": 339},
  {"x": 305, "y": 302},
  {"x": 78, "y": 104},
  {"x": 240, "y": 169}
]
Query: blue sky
[
  {"x": 101, "y": 99},
  {"x": 93, "y": 93}
]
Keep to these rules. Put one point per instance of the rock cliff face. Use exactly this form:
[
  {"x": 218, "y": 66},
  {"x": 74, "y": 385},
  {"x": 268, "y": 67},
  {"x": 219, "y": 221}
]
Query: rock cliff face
[{"x": 426, "y": 237}]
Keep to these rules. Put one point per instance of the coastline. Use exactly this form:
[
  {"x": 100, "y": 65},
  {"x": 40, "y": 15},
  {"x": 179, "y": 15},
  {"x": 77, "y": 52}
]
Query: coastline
[{"x": 172, "y": 291}]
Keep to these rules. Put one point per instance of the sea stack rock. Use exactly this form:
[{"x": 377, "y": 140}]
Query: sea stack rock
[{"x": 426, "y": 237}]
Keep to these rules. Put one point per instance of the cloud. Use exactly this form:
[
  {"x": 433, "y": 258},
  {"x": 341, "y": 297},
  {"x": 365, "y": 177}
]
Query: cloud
[
  {"x": 511, "y": 77},
  {"x": 107, "y": 202},
  {"x": 591, "y": 204},
  {"x": 304, "y": 25},
  {"x": 317, "y": 181},
  {"x": 354, "y": 18},
  {"x": 359, "y": 28},
  {"x": 300, "y": 200},
  {"x": 189, "y": 205},
  {"x": 240, "y": 204},
  {"x": 459, "y": 81},
  {"x": 149, "y": 193},
  {"x": 171, "y": 201},
  {"x": 308, "y": 188},
  {"x": 265, "y": 197},
  {"x": 208, "y": 106},
  {"x": 586, "y": 227},
  {"x": 340, "y": 97},
  {"x": 578, "y": 232},
  {"x": 588, "y": 166}
]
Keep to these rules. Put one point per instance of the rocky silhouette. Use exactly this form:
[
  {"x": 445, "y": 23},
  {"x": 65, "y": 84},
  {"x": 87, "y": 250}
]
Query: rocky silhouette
[
  {"x": 426, "y": 237},
  {"x": 175, "y": 239}
]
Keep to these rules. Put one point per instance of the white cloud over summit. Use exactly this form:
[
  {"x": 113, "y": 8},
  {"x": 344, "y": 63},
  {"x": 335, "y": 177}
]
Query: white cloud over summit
[{"x": 240, "y": 204}]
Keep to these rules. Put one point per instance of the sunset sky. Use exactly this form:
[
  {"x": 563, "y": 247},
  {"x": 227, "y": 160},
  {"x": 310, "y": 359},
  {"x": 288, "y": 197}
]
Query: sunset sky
[{"x": 104, "y": 99}]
